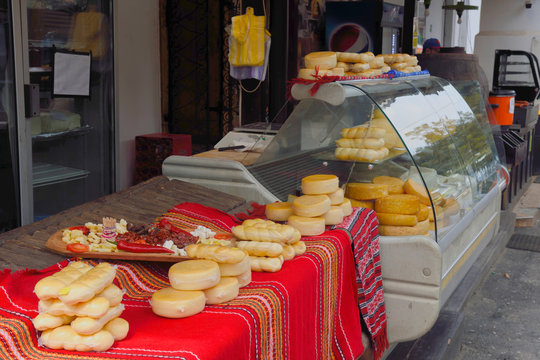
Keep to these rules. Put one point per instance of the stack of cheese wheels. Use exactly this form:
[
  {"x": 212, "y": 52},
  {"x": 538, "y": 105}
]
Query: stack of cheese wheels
[
  {"x": 361, "y": 143},
  {"x": 400, "y": 215},
  {"x": 194, "y": 283},
  {"x": 402, "y": 62},
  {"x": 320, "y": 63},
  {"x": 414, "y": 188},
  {"x": 391, "y": 138},
  {"x": 79, "y": 308},
  {"x": 364, "y": 194},
  {"x": 268, "y": 243}
]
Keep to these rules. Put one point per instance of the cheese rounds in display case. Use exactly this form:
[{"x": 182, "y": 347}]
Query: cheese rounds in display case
[
  {"x": 308, "y": 226},
  {"x": 395, "y": 185},
  {"x": 421, "y": 228},
  {"x": 398, "y": 204},
  {"x": 311, "y": 205},
  {"x": 171, "y": 303},
  {"x": 194, "y": 275},
  {"x": 319, "y": 184},
  {"x": 333, "y": 216},
  {"x": 366, "y": 191}
]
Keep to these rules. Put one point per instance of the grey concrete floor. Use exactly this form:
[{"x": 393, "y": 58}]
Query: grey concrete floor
[{"x": 502, "y": 316}]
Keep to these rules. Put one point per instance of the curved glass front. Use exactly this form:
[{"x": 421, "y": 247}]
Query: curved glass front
[{"x": 431, "y": 137}]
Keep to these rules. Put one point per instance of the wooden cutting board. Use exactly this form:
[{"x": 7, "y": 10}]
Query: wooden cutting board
[{"x": 57, "y": 245}]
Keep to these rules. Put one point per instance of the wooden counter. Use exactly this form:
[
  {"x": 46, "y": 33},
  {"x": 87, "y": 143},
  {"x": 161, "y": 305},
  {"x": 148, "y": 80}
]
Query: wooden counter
[
  {"x": 246, "y": 157},
  {"x": 24, "y": 247}
]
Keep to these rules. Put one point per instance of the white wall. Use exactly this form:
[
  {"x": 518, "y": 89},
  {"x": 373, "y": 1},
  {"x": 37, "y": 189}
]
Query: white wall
[
  {"x": 435, "y": 21},
  {"x": 137, "y": 80},
  {"x": 507, "y": 25}
]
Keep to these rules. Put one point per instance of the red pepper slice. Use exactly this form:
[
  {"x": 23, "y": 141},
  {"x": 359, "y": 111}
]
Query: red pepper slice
[
  {"x": 223, "y": 236},
  {"x": 77, "y": 247},
  {"x": 166, "y": 224},
  {"x": 141, "y": 248},
  {"x": 83, "y": 228}
]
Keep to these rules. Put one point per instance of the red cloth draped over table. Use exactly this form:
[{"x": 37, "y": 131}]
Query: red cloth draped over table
[{"x": 308, "y": 310}]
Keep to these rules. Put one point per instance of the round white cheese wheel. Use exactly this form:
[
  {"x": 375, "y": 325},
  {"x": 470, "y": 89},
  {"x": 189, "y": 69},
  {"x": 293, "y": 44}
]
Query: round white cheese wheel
[
  {"x": 308, "y": 226},
  {"x": 194, "y": 274},
  {"x": 172, "y": 303},
  {"x": 319, "y": 184},
  {"x": 311, "y": 205},
  {"x": 245, "y": 278},
  {"x": 278, "y": 211},
  {"x": 235, "y": 269},
  {"x": 334, "y": 216},
  {"x": 346, "y": 206},
  {"x": 337, "y": 197},
  {"x": 225, "y": 290},
  {"x": 323, "y": 60}
]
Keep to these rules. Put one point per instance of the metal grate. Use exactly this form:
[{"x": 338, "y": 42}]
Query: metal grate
[{"x": 524, "y": 242}]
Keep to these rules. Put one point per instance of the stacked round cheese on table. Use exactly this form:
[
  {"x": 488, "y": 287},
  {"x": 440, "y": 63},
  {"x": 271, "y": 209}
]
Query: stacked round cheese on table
[
  {"x": 267, "y": 243},
  {"x": 79, "y": 308},
  {"x": 364, "y": 65},
  {"x": 402, "y": 62},
  {"x": 318, "y": 64},
  {"x": 322, "y": 203},
  {"x": 361, "y": 143}
]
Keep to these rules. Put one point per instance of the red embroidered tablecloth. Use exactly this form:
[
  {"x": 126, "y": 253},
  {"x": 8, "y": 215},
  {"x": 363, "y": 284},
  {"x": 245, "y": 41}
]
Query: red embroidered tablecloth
[{"x": 308, "y": 310}]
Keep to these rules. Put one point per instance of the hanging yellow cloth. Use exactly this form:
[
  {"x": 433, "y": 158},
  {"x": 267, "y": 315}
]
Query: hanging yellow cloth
[
  {"x": 247, "y": 39},
  {"x": 89, "y": 33}
]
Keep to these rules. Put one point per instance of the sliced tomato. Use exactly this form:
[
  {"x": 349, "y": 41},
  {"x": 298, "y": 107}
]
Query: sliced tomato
[
  {"x": 78, "y": 248},
  {"x": 82, "y": 228},
  {"x": 223, "y": 236}
]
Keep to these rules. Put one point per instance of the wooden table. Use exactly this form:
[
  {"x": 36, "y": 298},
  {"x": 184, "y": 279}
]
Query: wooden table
[{"x": 24, "y": 247}]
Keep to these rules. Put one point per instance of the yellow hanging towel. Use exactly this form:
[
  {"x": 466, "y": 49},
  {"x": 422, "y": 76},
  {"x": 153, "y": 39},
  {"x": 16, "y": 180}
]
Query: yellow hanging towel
[{"x": 247, "y": 39}]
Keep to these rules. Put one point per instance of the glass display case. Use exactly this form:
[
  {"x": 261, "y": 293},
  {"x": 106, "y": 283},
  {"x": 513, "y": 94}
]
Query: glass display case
[{"x": 432, "y": 139}]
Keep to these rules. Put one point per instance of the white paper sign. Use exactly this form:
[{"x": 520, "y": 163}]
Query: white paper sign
[{"x": 71, "y": 74}]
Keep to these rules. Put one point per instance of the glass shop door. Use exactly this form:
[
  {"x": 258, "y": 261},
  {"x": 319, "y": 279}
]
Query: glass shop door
[{"x": 65, "y": 120}]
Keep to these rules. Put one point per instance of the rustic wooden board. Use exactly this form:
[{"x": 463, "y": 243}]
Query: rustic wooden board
[{"x": 55, "y": 244}]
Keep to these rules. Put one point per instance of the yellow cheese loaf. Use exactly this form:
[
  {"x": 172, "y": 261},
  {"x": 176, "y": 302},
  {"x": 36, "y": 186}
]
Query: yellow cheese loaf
[
  {"x": 278, "y": 211},
  {"x": 311, "y": 205},
  {"x": 319, "y": 184},
  {"x": 419, "y": 229},
  {"x": 405, "y": 204},
  {"x": 225, "y": 290},
  {"x": 172, "y": 303},
  {"x": 395, "y": 185},
  {"x": 323, "y": 60},
  {"x": 397, "y": 219},
  {"x": 50, "y": 286},
  {"x": 333, "y": 216},
  {"x": 194, "y": 275},
  {"x": 308, "y": 226},
  {"x": 365, "y": 191}
]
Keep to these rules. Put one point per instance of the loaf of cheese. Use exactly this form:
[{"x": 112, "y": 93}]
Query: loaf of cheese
[
  {"x": 395, "y": 185},
  {"x": 313, "y": 74},
  {"x": 85, "y": 325},
  {"x": 47, "y": 321},
  {"x": 278, "y": 211},
  {"x": 333, "y": 216},
  {"x": 323, "y": 60},
  {"x": 217, "y": 253},
  {"x": 308, "y": 226},
  {"x": 405, "y": 204},
  {"x": 363, "y": 131},
  {"x": 260, "y": 248},
  {"x": 64, "y": 337},
  {"x": 96, "y": 307},
  {"x": 362, "y": 143},
  {"x": 89, "y": 284},
  {"x": 172, "y": 303},
  {"x": 194, "y": 274},
  {"x": 311, "y": 205},
  {"x": 225, "y": 290},
  {"x": 50, "y": 286},
  {"x": 234, "y": 269},
  {"x": 118, "y": 328},
  {"x": 366, "y": 191},
  {"x": 319, "y": 184}
]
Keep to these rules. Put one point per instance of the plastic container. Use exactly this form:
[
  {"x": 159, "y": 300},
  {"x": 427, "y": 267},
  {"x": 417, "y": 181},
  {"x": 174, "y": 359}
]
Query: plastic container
[{"x": 502, "y": 102}]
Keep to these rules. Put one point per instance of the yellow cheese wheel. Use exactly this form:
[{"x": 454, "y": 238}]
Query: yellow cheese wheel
[
  {"x": 364, "y": 191},
  {"x": 245, "y": 278},
  {"x": 397, "y": 219},
  {"x": 225, "y": 290},
  {"x": 320, "y": 184},
  {"x": 334, "y": 216},
  {"x": 172, "y": 303},
  {"x": 398, "y": 204},
  {"x": 323, "y": 60},
  {"x": 451, "y": 206},
  {"x": 194, "y": 275},
  {"x": 278, "y": 211},
  {"x": 423, "y": 213},
  {"x": 419, "y": 229},
  {"x": 311, "y": 205},
  {"x": 309, "y": 74},
  {"x": 308, "y": 226},
  {"x": 337, "y": 197},
  {"x": 234, "y": 269},
  {"x": 414, "y": 188},
  {"x": 346, "y": 206},
  {"x": 395, "y": 185},
  {"x": 368, "y": 204}
]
